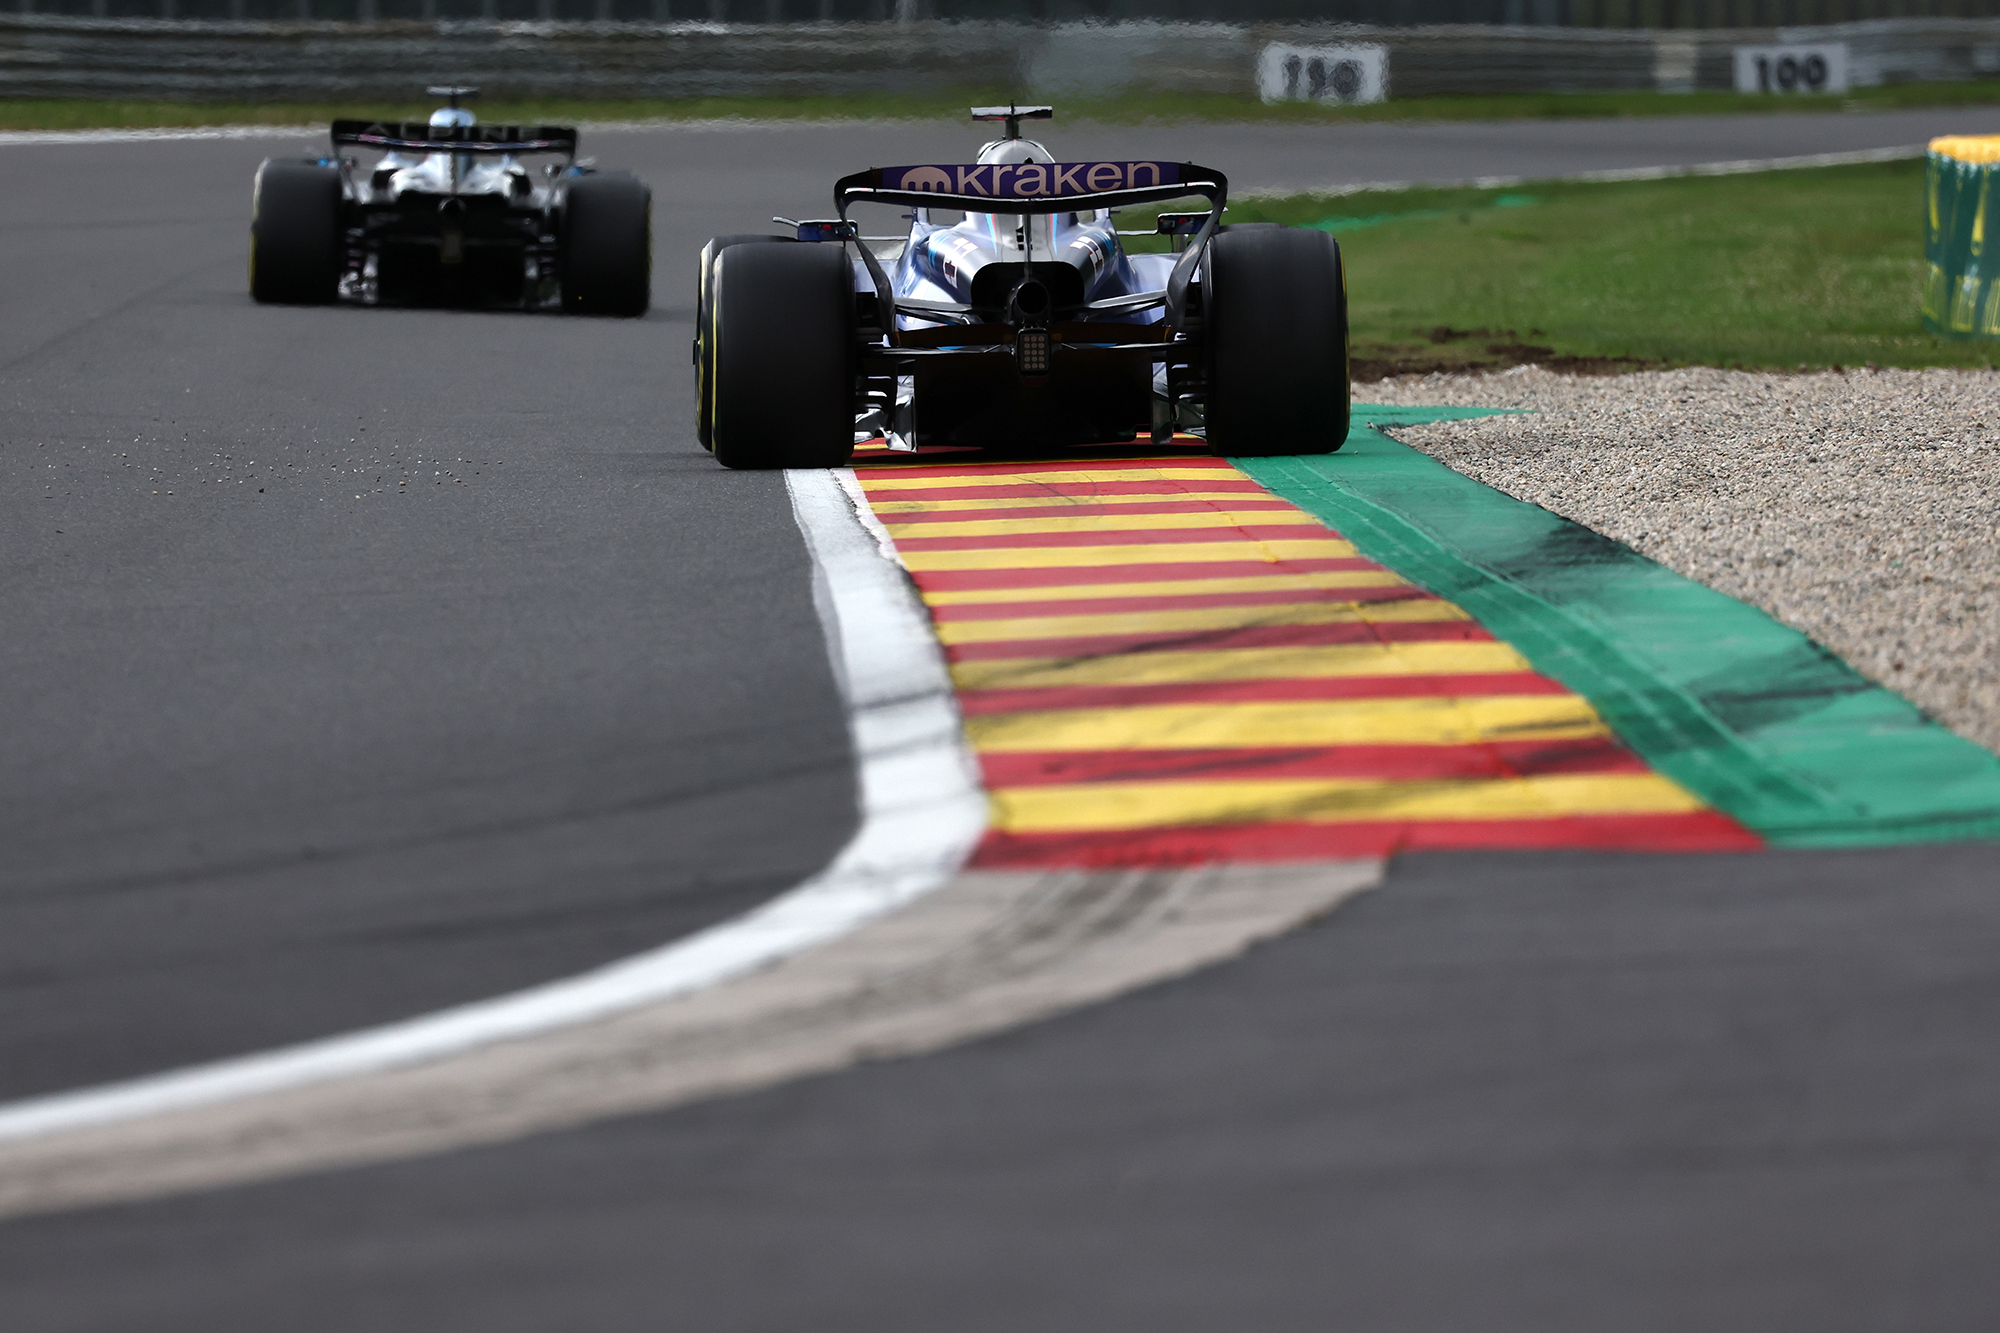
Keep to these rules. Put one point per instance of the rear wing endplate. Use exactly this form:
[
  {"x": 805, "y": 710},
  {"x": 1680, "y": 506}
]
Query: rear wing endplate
[
  {"x": 417, "y": 137},
  {"x": 1039, "y": 187}
]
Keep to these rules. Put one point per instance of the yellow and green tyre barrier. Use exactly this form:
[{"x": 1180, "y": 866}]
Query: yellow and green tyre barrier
[{"x": 1961, "y": 247}]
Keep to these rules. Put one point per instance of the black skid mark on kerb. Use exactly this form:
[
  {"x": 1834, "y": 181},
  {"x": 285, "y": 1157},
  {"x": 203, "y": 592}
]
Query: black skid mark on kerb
[
  {"x": 1789, "y": 685},
  {"x": 1567, "y": 545},
  {"x": 1745, "y": 698}
]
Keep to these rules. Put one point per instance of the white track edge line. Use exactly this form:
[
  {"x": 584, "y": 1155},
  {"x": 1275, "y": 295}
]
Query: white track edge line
[{"x": 922, "y": 811}]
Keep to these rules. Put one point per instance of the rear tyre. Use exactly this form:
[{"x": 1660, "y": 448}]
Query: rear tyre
[
  {"x": 782, "y": 330},
  {"x": 704, "y": 364},
  {"x": 295, "y": 234},
  {"x": 607, "y": 246},
  {"x": 1276, "y": 328}
]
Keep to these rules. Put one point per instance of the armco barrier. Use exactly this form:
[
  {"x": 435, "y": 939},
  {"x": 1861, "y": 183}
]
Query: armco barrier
[
  {"x": 51, "y": 56},
  {"x": 1385, "y": 13}
]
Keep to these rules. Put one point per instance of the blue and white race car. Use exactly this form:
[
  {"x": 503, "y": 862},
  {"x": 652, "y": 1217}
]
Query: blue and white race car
[
  {"x": 1011, "y": 317},
  {"x": 450, "y": 214}
]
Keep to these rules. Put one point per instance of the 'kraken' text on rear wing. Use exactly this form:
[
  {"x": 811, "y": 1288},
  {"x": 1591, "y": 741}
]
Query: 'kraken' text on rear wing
[
  {"x": 417, "y": 137},
  {"x": 1031, "y": 187}
]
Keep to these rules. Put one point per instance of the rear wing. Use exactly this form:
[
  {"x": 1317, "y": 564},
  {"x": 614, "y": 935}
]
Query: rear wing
[
  {"x": 1036, "y": 187},
  {"x": 417, "y": 137},
  {"x": 1030, "y": 187}
]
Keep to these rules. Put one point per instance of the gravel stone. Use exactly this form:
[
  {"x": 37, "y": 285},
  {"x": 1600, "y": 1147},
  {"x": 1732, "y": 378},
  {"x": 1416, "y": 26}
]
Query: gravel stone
[{"x": 1860, "y": 507}]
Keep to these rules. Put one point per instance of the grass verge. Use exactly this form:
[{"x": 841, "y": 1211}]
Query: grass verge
[
  {"x": 1779, "y": 269},
  {"x": 80, "y": 114}
]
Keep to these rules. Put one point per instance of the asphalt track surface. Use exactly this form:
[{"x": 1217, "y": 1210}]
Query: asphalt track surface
[{"x": 289, "y": 752}]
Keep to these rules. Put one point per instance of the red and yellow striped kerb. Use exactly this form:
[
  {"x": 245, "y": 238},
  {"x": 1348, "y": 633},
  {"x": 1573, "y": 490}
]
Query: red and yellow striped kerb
[{"x": 1160, "y": 662}]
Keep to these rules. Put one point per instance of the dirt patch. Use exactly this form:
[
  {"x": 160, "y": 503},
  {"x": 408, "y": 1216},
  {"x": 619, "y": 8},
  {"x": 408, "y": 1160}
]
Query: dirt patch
[{"x": 1467, "y": 351}]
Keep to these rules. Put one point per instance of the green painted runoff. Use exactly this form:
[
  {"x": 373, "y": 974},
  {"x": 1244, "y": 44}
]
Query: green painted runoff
[{"x": 1754, "y": 717}]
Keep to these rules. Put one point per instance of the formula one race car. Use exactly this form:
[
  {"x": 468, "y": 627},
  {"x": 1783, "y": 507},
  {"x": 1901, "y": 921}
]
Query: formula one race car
[
  {"x": 449, "y": 215},
  {"x": 1023, "y": 324}
]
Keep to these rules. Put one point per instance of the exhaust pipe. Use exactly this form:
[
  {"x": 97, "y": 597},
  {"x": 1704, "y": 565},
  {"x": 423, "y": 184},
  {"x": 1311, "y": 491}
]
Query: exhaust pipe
[{"x": 1030, "y": 303}]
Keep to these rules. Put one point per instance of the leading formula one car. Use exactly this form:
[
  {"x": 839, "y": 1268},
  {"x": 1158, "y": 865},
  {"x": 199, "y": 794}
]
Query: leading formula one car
[
  {"x": 449, "y": 214},
  {"x": 1023, "y": 323}
]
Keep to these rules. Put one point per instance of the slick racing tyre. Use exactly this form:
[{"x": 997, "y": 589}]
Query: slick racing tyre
[
  {"x": 607, "y": 245},
  {"x": 295, "y": 233},
  {"x": 704, "y": 364},
  {"x": 1276, "y": 328},
  {"x": 781, "y": 326}
]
